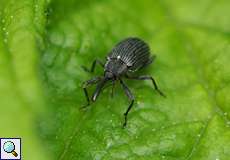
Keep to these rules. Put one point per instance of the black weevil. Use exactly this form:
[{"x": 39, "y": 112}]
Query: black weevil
[{"x": 126, "y": 57}]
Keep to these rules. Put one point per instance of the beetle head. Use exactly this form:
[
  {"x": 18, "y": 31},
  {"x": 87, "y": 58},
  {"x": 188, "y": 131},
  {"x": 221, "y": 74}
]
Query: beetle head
[{"x": 108, "y": 75}]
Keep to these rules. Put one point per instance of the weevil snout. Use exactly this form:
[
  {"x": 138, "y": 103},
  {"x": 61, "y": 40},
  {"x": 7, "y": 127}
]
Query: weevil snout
[{"x": 108, "y": 75}]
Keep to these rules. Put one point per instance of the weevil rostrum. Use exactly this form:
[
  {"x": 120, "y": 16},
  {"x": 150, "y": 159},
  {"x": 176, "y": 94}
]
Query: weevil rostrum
[{"x": 127, "y": 57}]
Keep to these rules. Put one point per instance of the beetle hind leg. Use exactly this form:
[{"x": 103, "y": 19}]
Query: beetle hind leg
[{"x": 146, "y": 77}]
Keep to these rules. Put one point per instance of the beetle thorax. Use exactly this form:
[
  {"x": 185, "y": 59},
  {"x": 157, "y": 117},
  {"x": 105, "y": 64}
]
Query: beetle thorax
[{"x": 115, "y": 67}]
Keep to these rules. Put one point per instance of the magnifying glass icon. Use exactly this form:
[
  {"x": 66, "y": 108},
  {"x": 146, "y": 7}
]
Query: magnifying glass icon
[{"x": 9, "y": 147}]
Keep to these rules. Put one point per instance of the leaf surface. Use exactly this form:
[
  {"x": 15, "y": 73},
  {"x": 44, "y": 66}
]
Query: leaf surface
[{"x": 191, "y": 41}]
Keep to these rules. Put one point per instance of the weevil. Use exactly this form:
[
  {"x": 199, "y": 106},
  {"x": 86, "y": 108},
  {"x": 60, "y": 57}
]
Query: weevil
[{"x": 128, "y": 56}]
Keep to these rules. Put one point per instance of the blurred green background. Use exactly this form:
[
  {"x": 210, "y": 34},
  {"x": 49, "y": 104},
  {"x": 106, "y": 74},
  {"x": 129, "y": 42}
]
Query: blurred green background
[{"x": 44, "y": 43}]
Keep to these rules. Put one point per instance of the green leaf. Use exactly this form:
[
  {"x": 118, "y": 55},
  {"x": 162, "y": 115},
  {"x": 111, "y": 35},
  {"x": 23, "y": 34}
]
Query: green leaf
[
  {"x": 21, "y": 97},
  {"x": 44, "y": 45}
]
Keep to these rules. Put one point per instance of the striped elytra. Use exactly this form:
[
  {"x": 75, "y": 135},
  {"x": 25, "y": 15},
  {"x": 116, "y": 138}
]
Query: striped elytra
[{"x": 134, "y": 52}]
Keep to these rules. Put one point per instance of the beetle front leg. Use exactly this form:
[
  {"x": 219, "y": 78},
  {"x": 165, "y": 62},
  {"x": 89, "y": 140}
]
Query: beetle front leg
[
  {"x": 131, "y": 97},
  {"x": 85, "y": 85},
  {"x": 146, "y": 77},
  {"x": 91, "y": 70}
]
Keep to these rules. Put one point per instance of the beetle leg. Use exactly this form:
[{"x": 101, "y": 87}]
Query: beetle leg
[
  {"x": 85, "y": 85},
  {"x": 146, "y": 77},
  {"x": 93, "y": 66},
  {"x": 131, "y": 97}
]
